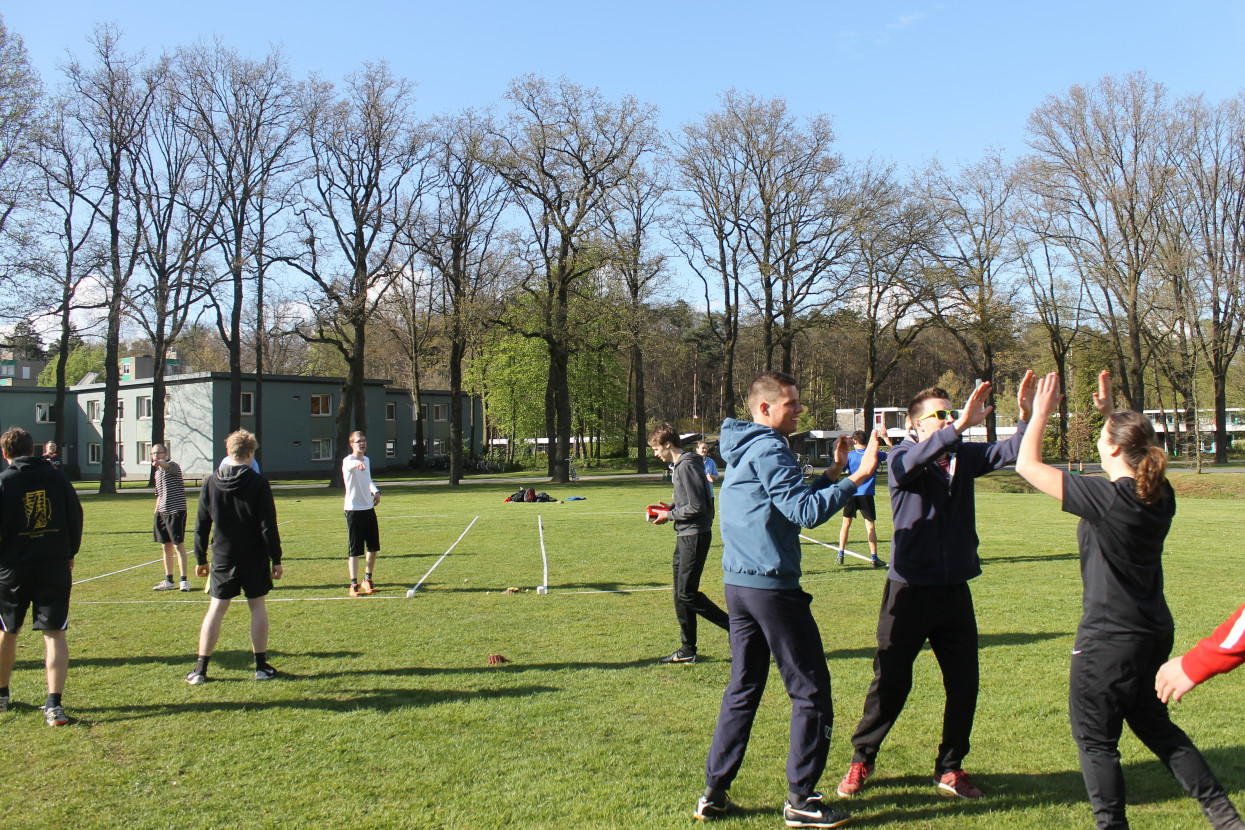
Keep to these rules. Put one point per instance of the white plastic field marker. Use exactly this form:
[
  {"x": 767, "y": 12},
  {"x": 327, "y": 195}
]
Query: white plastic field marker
[
  {"x": 833, "y": 548},
  {"x": 543, "y": 588}
]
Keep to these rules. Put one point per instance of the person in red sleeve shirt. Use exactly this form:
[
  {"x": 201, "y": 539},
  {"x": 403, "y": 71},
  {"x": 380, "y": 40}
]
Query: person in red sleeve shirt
[{"x": 1221, "y": 652}]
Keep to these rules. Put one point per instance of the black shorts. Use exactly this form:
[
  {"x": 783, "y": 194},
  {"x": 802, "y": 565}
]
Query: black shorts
[
  {"x": 862, "y": 503},
  {"x": 228, "y": 580},
  {"x": 363, "y": 530},
  {"x": 43, "y": 585},
  {"x": 170, "y": 528}
]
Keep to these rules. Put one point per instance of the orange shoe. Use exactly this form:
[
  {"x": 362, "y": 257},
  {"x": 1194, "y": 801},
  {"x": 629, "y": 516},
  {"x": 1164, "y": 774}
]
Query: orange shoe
[
  {"x": 354, "y": 591},
  {"x": 367, "y": 587}
]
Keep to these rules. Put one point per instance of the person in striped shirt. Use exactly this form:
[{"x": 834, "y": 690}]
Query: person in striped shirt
[
  {"x": 170, "y": 518},
  {"x": 1221, "y": 652}
]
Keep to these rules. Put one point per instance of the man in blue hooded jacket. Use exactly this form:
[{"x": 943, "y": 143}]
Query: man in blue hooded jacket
[{"x": 763, "y": 504}]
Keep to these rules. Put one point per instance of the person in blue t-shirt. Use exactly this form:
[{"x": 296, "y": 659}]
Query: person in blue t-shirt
[
  {"x": 862, "y": 502},
  {"x": 711, "y": 466}
]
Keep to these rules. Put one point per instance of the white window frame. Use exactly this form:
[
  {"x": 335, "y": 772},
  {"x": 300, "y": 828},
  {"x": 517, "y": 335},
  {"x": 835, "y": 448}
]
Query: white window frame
[
  {"x": 94, "y": 453},
  {"x": 43, "y": 413},
  {"x": 438, "y": 446},
  {"x": 142, "y": 452},
  {"x": 142, "y": 405},
  {"x": 120, "y": 409},
  {"x": 246, "y": 405},
  {"x": 95, "y": 412},
  {"x": 391, "y": 448},
  {"x": 391, "y": 411},
  {"x": 321, "y": 449},
  {"x": 318, "y": 401},
  {"x": 440, "y": 412}
]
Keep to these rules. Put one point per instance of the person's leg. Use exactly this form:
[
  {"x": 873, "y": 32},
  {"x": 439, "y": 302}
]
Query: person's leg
[
  {"x": 209, "y": 632},
  {"x": 371, "y": 562},
  {"x": 8, "y": 656},
  {"x": 55, "y": 661},
  {"x": 690, "y": 555},
  {"x": 1097, "y": 720},
  {"x": 872, "y": 529},
  {"x": 181, "y": 560},
  {"x": 680, "y": 563},
  {"x": 953, "y": 638},
  {"x": 749, "y": 671},
  {"x": 789, "y": 628},
  {"x": 352, "y": 567},
  {"x": 846, "y": 526},
  {"x": 1149, "y": 719},
  {"x": 170, "y": 559},
  {"x": 259, "y": 624},
  {"x": 902, "y": 631}
]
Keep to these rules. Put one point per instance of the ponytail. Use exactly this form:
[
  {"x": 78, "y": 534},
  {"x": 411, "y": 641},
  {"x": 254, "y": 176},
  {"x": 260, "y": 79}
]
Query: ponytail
[{"x": 1134, "y": 435}]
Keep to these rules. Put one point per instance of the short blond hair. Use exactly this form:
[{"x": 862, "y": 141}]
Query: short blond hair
[
  {"x": 768, "y": 386},
  {"x": 240, "y": 444}
]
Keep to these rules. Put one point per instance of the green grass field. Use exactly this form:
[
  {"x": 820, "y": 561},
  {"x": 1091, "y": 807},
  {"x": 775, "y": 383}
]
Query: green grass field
[{"x": 387, "y": 715}]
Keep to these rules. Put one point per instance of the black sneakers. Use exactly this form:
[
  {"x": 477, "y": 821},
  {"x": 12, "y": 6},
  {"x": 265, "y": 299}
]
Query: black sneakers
[
  {"x": 708, "y": 809},
  {"x": 680, "y": 656},
  {"x": 811, "y": 812}
]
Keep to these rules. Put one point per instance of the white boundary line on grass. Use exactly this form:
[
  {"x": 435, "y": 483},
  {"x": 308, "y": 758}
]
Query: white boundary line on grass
[
  {"x": 544, "y": 559},
  {"x": 338, "y": 519},
  {"x": 114, "y": 573},
  {"x": 833, "y": 548},
  {"x": 411, "y": 593}
]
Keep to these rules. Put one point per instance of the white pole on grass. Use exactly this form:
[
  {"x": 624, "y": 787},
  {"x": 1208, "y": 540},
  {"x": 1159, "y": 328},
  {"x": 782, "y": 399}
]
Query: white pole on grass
[
  {"x": 543, "y": 587},
  {"x": 836, "y": 550},
  {"x": 411, "y": 592}
]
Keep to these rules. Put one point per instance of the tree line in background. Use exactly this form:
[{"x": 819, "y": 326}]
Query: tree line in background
[{"x": 212, "y": 204}]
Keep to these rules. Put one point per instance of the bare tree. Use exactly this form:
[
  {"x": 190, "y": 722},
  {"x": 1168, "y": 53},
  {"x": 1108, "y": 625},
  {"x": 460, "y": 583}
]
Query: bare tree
[
  {"x": 1103, "y": 163},
  {"x": 455, "y": 235},
  {"x": 111, "y": 103},
  {"x": 178, "y": 207},
  {"x": 1210, "y": 212},
  {"x": 636, "y": 208},
  {"x": 973, "y": 296},
  {"x": 360, "y": 195},
  {"x": 20, "y": 91},
  {"x": 564, "y": 150},
  {"x": 406, "y": 313},
  {"x": 245, "y": 119}
]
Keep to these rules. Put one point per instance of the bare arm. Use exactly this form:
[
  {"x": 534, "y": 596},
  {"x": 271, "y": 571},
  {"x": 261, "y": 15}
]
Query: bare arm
[{"x": 1029, "y": 462}]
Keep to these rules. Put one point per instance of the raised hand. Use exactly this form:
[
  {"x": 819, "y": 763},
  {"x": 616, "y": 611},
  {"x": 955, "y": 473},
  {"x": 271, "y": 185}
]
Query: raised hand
[
  {"x": 1104, "y": 398},
  {"x": 1047, "y": 399},
  {"x": 868, "y": 461},
  {"x": 1024, "y": 396},
  {"x": 976, "y": 409}
]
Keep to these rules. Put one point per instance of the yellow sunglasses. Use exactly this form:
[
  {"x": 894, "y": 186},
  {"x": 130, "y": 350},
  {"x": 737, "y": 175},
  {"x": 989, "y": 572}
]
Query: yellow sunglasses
[{"x": 941, "y": 414}]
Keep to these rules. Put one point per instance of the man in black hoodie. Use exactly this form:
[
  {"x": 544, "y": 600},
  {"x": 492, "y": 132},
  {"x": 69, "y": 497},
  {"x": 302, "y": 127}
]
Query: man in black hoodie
[
  {"x": 246, "y": 551},
  {"x": 40, "y": 533},
  {"x": 692, "y": 513}
]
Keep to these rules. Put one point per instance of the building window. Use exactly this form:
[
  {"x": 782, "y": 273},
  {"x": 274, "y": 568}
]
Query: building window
[
  {"x": 440, "y": 412},
  {"x": 120, "y": 410},
  {"x": 248, "y": 403},
  {"x": 391, "y": 411},
  {"x": 43, "y": 413},
  {"x": 143, "y": 405},
  {"x": 423, "y": 412},
  {"x": 321, "y": 404},
  {"x": 94, "y": 412},
  {"x": 144, "y": 452},
  {"x": 93, "y": 454},
  {"x": 438, "y": 446},
  {"x": 391, "y": 449},
  {"x": 322, "y": 449},
  {"x": 25, "y": 373}
]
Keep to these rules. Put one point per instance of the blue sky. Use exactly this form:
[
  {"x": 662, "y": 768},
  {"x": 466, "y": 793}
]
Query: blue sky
[{"x": 903, "y": 81}]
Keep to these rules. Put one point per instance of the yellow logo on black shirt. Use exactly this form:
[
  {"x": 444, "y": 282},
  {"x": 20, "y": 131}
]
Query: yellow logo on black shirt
[{"x": 38, "y": 510}]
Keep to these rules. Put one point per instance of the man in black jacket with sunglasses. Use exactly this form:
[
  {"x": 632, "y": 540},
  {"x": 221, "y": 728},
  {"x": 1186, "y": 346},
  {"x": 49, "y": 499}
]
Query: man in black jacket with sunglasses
[{"x": 933, "y": 556}]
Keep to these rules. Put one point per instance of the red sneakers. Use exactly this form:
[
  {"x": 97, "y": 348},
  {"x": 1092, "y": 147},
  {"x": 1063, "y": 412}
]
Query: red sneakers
[
  {"x": 957, "y": 782},
  {"x": 854, "y": 781}
]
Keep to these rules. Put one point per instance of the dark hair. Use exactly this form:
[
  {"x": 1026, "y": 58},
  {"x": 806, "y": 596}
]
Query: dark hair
[
  {"x": 1134, "y": 435},
  {"x": 860, "y": 436},
  {"x": 16, "y": 443},
  {"x": 767, "y": 386},
  {"x": 914, "y": 406},
  {"x": 663, "y": 434}
]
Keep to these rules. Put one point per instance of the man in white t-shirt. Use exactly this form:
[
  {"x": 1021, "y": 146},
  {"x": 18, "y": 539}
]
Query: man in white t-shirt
[{"x": 362, "y": 496}]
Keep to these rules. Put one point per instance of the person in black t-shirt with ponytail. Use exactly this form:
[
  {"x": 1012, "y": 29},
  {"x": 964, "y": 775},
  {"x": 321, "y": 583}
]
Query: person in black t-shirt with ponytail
[{"x": 1126, "y": 630}]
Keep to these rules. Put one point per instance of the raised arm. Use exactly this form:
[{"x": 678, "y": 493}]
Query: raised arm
[
  {"x": 1104, "y": 398},
  {"x": 1029, "y": 462}
]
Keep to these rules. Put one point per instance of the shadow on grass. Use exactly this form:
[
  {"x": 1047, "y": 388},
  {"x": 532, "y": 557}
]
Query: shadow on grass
[
  {"x": 1147, "y": 781},
  {"x": 1007, "y": 560},
  {"x": 380, "y": 700},
  {"x": 225, "y": 659},
  {"x": 1019, "y": 638},
  {"x": 510, "y": 667}
]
